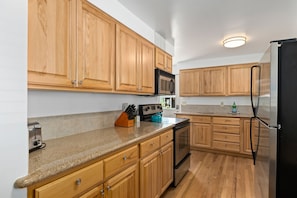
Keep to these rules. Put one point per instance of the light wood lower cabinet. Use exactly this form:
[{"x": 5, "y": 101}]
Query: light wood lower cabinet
[
  {"x": 226, "y": 133},
  {"x": 223, "y": 134},
  {"x": 124, "y": 184},
  {"x": 201, "y": 135},
  {"x": 156, "y": 167},
  {"x": 72, "y": 184},
  {"x": 142, "y": 170},
  {"x": 96, "y": 192}
]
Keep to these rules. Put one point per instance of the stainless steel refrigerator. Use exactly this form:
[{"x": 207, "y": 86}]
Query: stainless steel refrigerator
[{"x": 273, "y": 129}]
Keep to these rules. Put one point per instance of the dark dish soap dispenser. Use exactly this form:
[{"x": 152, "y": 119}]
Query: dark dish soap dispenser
[{"x": 234, "y": 108}]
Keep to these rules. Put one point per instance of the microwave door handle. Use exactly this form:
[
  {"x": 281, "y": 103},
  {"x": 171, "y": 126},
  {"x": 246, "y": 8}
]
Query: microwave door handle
[{"x": 171, "y": 86}]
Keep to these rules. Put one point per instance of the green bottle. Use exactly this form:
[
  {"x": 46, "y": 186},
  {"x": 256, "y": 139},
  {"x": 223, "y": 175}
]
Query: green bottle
[{"x": 234, "y": 108}]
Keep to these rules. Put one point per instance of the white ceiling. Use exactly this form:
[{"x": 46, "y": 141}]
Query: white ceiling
[{"x": 197, "y": 28}]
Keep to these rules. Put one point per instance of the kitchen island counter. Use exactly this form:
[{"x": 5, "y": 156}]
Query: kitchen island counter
[{"x": 64, "y": 153}]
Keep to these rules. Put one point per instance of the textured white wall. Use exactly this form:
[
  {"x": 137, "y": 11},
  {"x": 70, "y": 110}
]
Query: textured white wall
[
  {"x": 13, "y": 100},
  {"x": 50, "y": 103}
]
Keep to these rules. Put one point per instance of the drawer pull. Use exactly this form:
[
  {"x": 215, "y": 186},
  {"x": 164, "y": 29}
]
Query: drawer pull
[
  {"x": 78, "y": 181},
  {"x": 108, "y": 188},
  {"x": 125, "y": 158}
]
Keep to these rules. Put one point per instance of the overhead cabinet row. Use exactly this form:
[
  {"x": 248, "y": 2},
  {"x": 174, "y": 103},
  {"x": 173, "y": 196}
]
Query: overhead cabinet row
[
  {"x": 216, "y": 81},
  {"x": 72, "y": 45}
]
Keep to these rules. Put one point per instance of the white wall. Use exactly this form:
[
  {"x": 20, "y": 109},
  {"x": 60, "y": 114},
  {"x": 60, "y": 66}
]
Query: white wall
[
  {"x": 208, "y": 63},
  {"x": 50, "y": 103},
  {"x": 13, "y": 99}
]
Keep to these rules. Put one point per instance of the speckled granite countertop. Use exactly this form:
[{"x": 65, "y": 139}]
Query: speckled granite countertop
[
  {"x": 64, "y": 153},
  {"x": 237, "y": 115}
]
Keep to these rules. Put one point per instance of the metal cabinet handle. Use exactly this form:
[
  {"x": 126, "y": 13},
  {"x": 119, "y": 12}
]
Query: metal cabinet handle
[
  {"x": 108, "y": 188},
  {"x": 102, "y": 192},
  {"x": 78, "y": 181},
  {"x": 125, "y": 158}
]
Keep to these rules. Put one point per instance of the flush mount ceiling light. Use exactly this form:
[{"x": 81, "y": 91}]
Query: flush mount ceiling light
[{"x": 234, "y": 42}]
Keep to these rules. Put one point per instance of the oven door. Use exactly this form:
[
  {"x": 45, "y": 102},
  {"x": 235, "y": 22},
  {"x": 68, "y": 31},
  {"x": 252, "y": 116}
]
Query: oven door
[{"x": 182, "y": 142}]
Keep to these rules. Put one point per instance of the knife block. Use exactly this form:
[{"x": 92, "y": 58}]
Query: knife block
[{"x": 123, "y": 121}]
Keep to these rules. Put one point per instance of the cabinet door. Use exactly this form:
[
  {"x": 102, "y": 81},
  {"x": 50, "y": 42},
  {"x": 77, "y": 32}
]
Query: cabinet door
[
  {"x": 96, "y": 47},
  {"x": 239, "y": 79},
  {"x": 166, "y": 166},
  {"x": 73, "y": 184},
  {"x": 214, "y": 81},
  {"x": 50, "y": 25},
  {"x": 126, "y": 59},
  {"x": 96, "y": 192},
  {"x": 201, "y": 135},
  {"x": 124, "y": 185},
  {"x": 150, "y": 176},
  {"x": 146, "y": 75},
  {"x": 189, "y": 82},
  {"x": 168, "y": 67},
  {"x": 160, "y": 59}
]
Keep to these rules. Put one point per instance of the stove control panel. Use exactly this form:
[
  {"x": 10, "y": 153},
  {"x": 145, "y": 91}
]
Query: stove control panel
[{"x": 148, "y": 110}]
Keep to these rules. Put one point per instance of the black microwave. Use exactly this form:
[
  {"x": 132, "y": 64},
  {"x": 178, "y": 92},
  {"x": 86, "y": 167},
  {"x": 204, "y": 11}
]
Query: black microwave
[{"x": 164, "y": 83}]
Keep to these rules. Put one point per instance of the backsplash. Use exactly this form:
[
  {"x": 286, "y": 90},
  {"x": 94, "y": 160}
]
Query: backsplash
[
  {"x": 242, "y": 109},
  {"x": 59, "y": 126}
]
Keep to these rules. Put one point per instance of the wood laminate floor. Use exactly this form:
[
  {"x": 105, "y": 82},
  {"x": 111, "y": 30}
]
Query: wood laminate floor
[{"x": 215, "y": 176}]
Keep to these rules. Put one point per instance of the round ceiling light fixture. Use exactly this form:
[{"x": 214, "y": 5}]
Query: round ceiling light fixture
[{"x": 234, "y": 42}]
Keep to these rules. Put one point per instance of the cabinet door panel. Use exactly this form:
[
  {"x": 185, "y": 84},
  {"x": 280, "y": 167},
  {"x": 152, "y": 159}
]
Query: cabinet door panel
[
  {"x": 150, "y": 176},
  {"x": 201, "y": 135},
  {"x": 214, "y": 81},
  {"x": 126, "y": 59},
  {"x": 124, "y": 185},
  {"x": 190, "y": 82},
  {"x": 96, "y": 49},
  {"x": 166, "y": 166},
  {"x": 49, "y": 52},
  {"x": 146, "y": 68}
]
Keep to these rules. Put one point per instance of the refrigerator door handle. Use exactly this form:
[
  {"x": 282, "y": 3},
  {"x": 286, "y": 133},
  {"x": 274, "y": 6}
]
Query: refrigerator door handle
[
  {"x": 254, "y": 108},
  {"x": 254, "y": 152}
]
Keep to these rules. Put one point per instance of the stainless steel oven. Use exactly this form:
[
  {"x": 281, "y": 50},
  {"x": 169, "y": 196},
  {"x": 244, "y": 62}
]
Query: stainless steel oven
[{"x": 181, "y": 150}]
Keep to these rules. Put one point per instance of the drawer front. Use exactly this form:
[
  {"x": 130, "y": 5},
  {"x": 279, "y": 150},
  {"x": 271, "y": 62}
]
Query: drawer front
[
  {"x": 226, "y": 137},
  {"x": 226, "y": 120},
  {"x": 118, "y": 161},
  {"x": 201, "y": 119},
  {"x": 226, "y": 146},
  {"x": 149, "y": 146},
  {"x": 185, "y": 116},
  {"x": 166, "y": 137},
  {"x": 72, "y": 184},
  {"x": 226, "y": 129}
]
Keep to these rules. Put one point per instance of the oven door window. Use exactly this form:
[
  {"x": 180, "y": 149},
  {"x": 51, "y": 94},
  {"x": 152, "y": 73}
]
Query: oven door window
[{"x": 182, "y": 143}]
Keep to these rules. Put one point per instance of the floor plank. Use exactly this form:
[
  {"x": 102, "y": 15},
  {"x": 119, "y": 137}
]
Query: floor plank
[{"x": 215, "y": 176}]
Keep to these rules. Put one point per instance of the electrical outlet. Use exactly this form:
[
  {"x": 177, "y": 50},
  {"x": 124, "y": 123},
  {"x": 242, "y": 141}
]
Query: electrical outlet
[
  {"x": 124, "y": 106},
  {"x": 222, "y": 104}
]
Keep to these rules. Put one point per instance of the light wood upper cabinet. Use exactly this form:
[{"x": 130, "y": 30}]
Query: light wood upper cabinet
[
  {"x": 96, "y": 48},
  {"x": 239, "y": 79},
  {"x": 163, "y": 60},
  {"x": 50, "y": 48},
  {"x": 134, "y": 60},
  {"x": 147, "y": 78},
  {"x": 189, "y": 82},
  {"x": 71, "y": 44},
  {"x": 213, "y": 81}
]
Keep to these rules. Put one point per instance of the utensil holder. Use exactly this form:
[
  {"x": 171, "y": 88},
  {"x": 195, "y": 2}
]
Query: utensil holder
[{"x": 123, "y": 121}]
